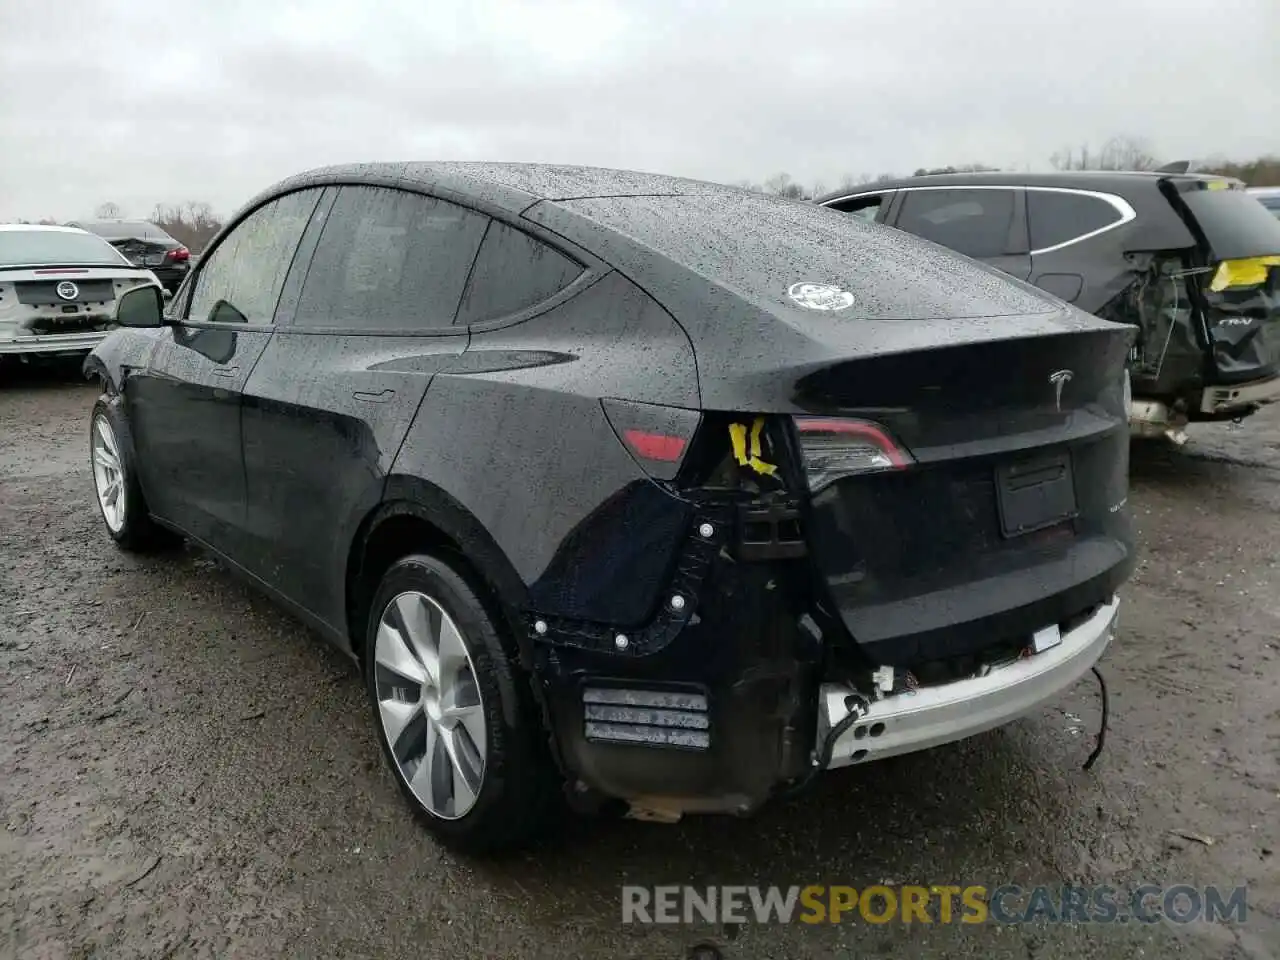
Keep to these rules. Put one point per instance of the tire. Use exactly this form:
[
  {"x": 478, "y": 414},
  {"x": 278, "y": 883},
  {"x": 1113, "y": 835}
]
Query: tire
[
  {"x": 111, "y": 460},
  {"x": 465, "y": 746}
]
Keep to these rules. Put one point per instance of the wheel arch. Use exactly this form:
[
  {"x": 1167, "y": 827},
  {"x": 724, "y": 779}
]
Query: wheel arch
[
  {"x": 416, "y": 515},
  {"x": 93, "y": 368}
]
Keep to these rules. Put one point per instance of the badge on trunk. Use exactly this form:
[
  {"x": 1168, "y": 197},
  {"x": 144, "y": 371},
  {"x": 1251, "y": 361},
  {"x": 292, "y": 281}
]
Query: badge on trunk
[
  {"x": 820, "y": 296},
  {"x": 66, "y": 290}
]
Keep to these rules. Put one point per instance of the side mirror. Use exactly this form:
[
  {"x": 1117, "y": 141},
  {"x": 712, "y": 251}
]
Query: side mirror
[
  {"x": 168, "y": 295},
  {"x": 141, "y": 307}
]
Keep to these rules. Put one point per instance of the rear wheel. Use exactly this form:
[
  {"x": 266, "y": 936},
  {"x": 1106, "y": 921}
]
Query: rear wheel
[
  {"x": 115, "y": 481},
  {"x": 456, "y": 733}
]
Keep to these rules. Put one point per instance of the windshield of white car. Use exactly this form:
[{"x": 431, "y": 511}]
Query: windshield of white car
[{"x": 33, "y": 248}]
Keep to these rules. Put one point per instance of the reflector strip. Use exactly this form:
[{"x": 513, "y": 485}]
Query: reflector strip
[{"x": 655, "y": 446}]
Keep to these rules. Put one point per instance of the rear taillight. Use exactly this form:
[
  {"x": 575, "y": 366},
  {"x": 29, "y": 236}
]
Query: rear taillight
[
  {"x": 836, "y": 447},
  {"x": 657, "y": 436},
  {"x": 181, "y": 255}
]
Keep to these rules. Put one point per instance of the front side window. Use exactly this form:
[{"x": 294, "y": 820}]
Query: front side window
[
  {"x": 973, "y": 222},
  {"x": 240, "y": 281},
  {"x": 1057, "y": 218},
  {"x": 390, "y": 260},
  {"x": 513, "y": 271}
]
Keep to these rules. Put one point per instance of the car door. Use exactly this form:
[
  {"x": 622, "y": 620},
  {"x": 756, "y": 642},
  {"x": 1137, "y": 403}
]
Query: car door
[
  {"x": 985, "y": 223},
  {"x": 184, "y": 406},
  {"x": 362, "y": 329}
]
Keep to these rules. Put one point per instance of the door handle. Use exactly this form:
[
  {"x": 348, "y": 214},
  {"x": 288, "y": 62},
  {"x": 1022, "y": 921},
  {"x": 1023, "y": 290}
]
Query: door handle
[
  {"x": 226, "y": 371},
  {"x": 382, "y": 397}
]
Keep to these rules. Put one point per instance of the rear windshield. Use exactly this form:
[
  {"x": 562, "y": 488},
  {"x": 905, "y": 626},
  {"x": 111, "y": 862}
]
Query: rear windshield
[
  {"x": 1236, "y": 225},
  {"x": 34, "y": 248},
  {"x": 777, "y": 253},
  {"x": 127, "y": 230}
]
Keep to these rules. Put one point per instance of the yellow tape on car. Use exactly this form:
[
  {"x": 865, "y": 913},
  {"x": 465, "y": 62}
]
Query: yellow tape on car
[
  {"x": 1242, "y": 273},
  {"x": 738, "y": 437}
]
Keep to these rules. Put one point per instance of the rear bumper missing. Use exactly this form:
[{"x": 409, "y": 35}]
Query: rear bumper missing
[
  {"x": 54, "y": 343},
  {"x": 924, "y": 718}
]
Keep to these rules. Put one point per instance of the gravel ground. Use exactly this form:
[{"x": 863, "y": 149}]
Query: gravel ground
[{"x": 185, "y": 771}]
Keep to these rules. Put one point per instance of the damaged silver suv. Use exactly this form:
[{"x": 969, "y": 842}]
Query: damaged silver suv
[{"x": 1192, "y": 261}]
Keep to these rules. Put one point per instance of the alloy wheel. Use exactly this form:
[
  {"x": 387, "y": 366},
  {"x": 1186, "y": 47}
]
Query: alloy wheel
[
  {"x": 108, "y": 473},
  {"x": 430, "y": 705}
]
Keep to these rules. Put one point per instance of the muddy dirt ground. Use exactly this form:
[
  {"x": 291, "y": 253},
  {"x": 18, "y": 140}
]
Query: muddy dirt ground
[{"x": 187, "y": 772}]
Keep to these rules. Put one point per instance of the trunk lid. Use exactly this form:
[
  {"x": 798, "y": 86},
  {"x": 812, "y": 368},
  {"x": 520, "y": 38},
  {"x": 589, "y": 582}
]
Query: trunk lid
[
  {"x": 142, "y": 253},
  {"x": 1006, "y": 512},
  {"x": 1239, "y": 289}
]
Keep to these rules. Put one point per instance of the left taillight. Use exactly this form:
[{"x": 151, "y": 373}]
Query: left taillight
[{"x": 837, "y": 447}]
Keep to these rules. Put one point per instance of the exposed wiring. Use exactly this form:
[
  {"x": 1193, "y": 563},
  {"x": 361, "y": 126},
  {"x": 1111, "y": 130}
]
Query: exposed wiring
[
  {"x": 1106, "y": 715},
  {"x": 823, "y": 759},
  {"x": 1172, "y": 322}
]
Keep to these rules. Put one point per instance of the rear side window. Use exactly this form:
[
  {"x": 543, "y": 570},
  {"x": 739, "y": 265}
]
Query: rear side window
[
  {"x": 513, "y": 271},
  {"x": 240, "y": 281},
  {"x": 389, "y": 260},
  {"x": 1058, "y": 218},
  {"x": 864, "y": 208},
  {"x": 973, "y": 222}
]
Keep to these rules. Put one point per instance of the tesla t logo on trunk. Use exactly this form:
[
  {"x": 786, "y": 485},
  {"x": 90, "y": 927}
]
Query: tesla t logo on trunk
[
  {"x": 67, "y": 290},
  {"x": 1059, "y": 378}
]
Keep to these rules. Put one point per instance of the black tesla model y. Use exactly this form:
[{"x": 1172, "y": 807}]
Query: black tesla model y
[{"x": 648, "y": 493}]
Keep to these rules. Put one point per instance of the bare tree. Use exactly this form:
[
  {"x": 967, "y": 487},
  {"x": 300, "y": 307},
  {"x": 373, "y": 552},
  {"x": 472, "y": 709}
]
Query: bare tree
[
  {"x": 108, "y": 211},
  {"x": 193, "y": 223},
  {"x": 781, "y": 185},
  {"x": 1118, "y": 153}
]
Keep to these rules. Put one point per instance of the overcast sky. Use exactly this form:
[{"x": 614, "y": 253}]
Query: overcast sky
[{"x": 138, "y": 102}]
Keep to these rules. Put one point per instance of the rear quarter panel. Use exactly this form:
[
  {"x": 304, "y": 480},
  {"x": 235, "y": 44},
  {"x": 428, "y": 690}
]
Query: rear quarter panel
[{"x": 514, "y": 434}]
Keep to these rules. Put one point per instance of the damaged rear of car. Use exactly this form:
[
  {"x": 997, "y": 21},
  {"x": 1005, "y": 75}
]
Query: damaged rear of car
[
  {"x": 59, "y": 287},
  {"x": 903, "y": 506},
  {"x": 1207, "y": 307},
  {"x": 144, "y": 244},
  {"x": 1187, "y": 260}
]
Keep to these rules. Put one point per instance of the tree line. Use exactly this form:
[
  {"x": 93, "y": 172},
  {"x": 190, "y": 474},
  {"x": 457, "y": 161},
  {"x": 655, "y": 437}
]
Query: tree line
[
  {"x": 194, "y": 223},
  {"x": 1117, "y": 153}
]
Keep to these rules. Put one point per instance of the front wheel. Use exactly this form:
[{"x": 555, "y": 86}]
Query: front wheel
[
  {"x": 115, "y": 480},
  {"x": 454, "y": 727}
]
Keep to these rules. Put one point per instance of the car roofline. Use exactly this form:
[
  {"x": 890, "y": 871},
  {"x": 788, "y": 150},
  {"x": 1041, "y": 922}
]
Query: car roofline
[{"x": 1112, "y": 181}]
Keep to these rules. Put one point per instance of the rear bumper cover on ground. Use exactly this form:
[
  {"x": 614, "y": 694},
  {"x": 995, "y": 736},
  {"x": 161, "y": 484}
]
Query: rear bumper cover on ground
[
  {"x": 907, "y": 722},
  {"x": 53, "y": 343}
]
